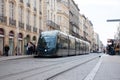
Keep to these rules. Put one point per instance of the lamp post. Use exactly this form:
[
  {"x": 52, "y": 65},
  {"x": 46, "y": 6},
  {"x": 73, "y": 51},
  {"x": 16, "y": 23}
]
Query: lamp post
[
  {"x": 116, "y": 20},
  {"x": 113, "y": 20}
]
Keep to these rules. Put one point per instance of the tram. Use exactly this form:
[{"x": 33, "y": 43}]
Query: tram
[{"x": 56, "y": 43}]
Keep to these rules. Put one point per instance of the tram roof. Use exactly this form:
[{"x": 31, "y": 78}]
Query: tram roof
[{"x": 53, "y": 33}]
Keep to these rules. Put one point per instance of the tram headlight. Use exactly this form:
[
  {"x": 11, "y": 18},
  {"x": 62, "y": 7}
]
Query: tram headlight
[{"x": 45, "y": 50}]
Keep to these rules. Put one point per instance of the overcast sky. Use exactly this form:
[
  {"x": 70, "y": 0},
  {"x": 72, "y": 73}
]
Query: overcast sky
[{"x": 98, "y": 11}]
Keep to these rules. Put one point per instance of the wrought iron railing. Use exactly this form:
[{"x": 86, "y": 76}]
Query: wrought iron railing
[
  {"x": 34, "y": 29},
  {"x": 28, "y": 4},
  {"x": 3, "y": 19},
  {"x": 12, "y": 22},
  {"x": 28, "y": 27},
  {"x": 21, "y": 1},
  {"x": 21, "y": 25},
  {"x": 53, "y": 24}
]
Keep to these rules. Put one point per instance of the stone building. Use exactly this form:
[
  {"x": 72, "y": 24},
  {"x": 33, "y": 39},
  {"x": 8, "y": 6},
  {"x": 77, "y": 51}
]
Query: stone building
[
  {"x": 51, "y": 14},
  {"x": 21, "y": 21},
  {"x": 73, "y": 19},
  {"x": 63, "y": 15}
]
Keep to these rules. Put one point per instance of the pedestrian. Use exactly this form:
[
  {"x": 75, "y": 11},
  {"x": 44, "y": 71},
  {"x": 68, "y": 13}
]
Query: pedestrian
[
  {"x": 33, "y": 48},
  {"x": 29, "y": 48},
  {"x": 17, "y": 50},
  {"x": 0, "y": 53},
  {"x": 6, "y": 50}
]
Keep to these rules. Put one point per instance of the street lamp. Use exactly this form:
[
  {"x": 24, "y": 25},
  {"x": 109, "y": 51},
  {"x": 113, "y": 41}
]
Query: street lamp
[
  {"x": 116, "y": 20},
  {"x": 113, "y": 20}
]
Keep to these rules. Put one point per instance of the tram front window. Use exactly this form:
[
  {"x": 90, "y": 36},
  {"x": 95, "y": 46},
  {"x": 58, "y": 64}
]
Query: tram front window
[{"x": 50, "y": 42}]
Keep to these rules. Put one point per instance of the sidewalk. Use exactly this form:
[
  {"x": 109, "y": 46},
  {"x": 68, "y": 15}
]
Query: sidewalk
[
  {"x": 4, "y": 58},
  {"x": 109, "y": 69}
]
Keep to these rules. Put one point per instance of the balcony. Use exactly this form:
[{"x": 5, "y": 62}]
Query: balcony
[
  {"x": 63, "y": 2},
  {"x": 28, "y": 27},
  {"x": 12, "y": 22},
  {"x": 21, "y": 25},
  {"x": 40, "y": 12},
  {"x": 34, "y": 29},
  {"x": 21, "y": 1},
  {"x": 3, "y": 19},
  {"x": 73, "y": 23},
  {"x": 35, "y": 9},
  {"x": 40, "y": 30},
  {"x": 28, "y": 4},
  {"x": 62, "y": 12},
  {"x": 53, "y": 25},
  {"x": 75, "y": 34}
]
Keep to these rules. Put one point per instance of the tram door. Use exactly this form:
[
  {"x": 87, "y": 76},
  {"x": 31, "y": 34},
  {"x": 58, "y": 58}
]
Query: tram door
[{"x": 11, "y": 46}]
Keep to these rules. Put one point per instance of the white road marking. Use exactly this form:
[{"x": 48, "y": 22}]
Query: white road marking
[{"x": 92, "y": 74}]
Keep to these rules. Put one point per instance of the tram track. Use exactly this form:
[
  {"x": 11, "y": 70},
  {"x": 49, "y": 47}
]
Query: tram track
[
  {"x": 43, "y": 69},
  {"x": 62, "y": 72},
  {"x": 55, "y": 72},
  {"x": 37, "y": 68}
]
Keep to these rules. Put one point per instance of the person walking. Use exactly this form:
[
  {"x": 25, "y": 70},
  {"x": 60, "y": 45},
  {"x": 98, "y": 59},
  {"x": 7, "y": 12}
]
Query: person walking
[
  {"x": 6, "y": 50},
  {"x": 29, "y": 48}
]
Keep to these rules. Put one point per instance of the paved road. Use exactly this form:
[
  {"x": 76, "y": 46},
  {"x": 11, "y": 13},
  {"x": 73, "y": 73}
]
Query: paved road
[
  {"x": 106, "y": 68},
  {"x": 43, "y": 68}
]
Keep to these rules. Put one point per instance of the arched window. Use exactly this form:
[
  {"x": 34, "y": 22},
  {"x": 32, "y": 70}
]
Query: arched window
[
  {"x": 1, "y": 7},
  {"x": 20, "y": 35},
  {"x": 34, "y": 38},
  {"x": 11, "y": 33},
  {"x": 1, "y": 31},
  {"x": 11, "y": 10}
]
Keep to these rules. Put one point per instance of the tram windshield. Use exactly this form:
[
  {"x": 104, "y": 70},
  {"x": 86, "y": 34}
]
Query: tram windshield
[
  {"x": 46, "y": 42},
  {"x": 50, "y": 41}
]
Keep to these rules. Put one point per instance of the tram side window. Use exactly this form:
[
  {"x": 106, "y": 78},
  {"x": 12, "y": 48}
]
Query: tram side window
[
  {"x": 77, "y": 44},
  {"x": 83, "y": 46},
  {"x": 72, "y": 43},
  {"x": 62, "y": 42}
]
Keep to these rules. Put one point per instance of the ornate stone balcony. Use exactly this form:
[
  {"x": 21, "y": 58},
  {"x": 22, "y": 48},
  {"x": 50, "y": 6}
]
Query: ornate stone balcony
[
  {"x": 34, "y": 29},
  {"x": 12, "y": 22},
  {"x": 28, "y": 4},
  {"x": 53, "y": 24},
  {"x": 3, "y": 19},
  {"x": 21, "y": 1},
  {"x": 35, "y": 9},
  {"x": 21, "y": 25},
  {"x": 63, "y": 2},
  {"x": 28, "y": 27}
]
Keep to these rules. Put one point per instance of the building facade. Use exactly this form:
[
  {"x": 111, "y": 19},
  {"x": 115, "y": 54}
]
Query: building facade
[
  {"x": 73, "y": 19},
  {"x": 51, "y": 15},
  {"x": 20, "y": 23},
  {"x": 63, "y": 15}
]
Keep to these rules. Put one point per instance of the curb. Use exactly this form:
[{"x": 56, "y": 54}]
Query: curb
[{"x": 5, "y": 58}]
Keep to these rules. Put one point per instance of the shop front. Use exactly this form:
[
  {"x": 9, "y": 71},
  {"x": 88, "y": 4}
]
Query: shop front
[
  {"x": 1, "y": 41},
  {"x": 11, "y": 43}
]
